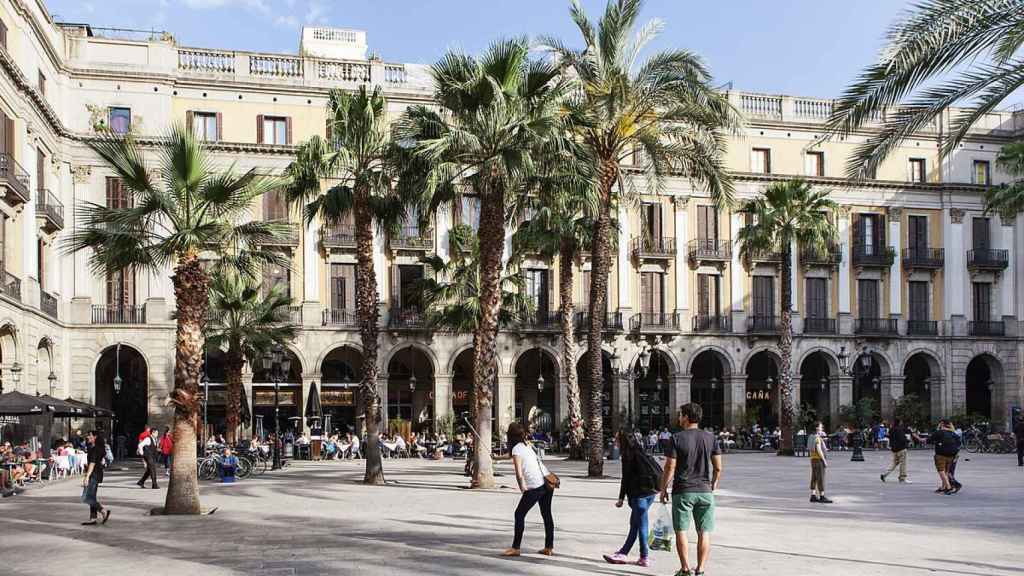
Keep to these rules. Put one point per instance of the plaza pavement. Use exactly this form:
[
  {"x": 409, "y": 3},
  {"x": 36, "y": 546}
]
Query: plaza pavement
[{"x": 315, "y": 518}]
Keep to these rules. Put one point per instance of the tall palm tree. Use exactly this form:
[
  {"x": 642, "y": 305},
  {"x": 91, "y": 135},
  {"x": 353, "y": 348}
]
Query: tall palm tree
[
  {"x": 1008, "y": 199},
  {"x": 356, "y": 163},
  {"x": 496, "y": 114},
  {"x": 183, "y": 207},
  {"x": 664, "y": 107},
  {"x": 938, "y": 53},
  {"x": 247, "y": 323},
  {"x": 785, "y": 213}
]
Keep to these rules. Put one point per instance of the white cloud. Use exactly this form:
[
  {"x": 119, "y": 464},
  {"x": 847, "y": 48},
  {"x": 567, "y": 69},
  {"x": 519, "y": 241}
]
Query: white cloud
[
  {"x": 255, "y": 5},
  {"x": 282, "y": 13},
  {"x": 288, "y": 21}
]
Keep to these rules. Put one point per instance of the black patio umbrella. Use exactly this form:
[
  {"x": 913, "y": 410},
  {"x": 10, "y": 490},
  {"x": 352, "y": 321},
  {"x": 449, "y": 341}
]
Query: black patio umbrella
[
  {"x": 313, "y": 408},
  {"x": 91, "y": 410},
  {"x": 20, "y": 404},
  {"x": 62, "y": 409},
  {"x": 244, "y": 411}
]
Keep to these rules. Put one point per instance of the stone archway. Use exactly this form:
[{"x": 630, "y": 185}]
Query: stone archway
[
  {"x": 410, "y": 401},
  {"x": 536, "y": 396},
  {"x": 983, "y": 377},
  {"x": 341, "y": 373},
  {"x": 819, "y": 387},
  {"x": 922, "y": 381},
  {"x": 762, "y": 388},
  {"x": 280, "y": 409},
  {"x": 130, "y": 403},
  {"x": 652, "y": 392},
  {"x": 710, "y": 372},
  {"x": 606, "y": 388}
]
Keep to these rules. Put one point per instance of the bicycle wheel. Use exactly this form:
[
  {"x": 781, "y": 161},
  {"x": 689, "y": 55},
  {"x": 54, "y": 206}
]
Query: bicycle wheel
[
  {"x": 208, "y": 469},
  {"x": 244, "y": 468},
  {"x": 973, "y": 446}
]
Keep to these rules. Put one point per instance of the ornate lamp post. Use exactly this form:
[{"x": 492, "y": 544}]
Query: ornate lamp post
[
  {"x": 52, "y": 379},
  {"x": 206, "y": 404},
  {"x": 859, "y": 368},
  {"x": 278, "y": 364},
  {"x": 16, "y": 374}
]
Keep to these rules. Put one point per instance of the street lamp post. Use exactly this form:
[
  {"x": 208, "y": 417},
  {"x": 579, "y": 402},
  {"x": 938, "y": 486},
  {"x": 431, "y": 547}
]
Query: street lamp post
[
  {"x": 16, "y": 374},
  {"x": 859, "y": 368},
  {"x": 206, "y": 405},
  {"x": 278, "y": 364}
]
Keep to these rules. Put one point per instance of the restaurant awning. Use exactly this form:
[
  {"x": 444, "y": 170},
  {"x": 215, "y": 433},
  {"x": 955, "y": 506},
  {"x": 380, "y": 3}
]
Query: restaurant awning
[
  {"x": 91, "y": 411},
  {"x": 62, "y": 409},
  {"x": 20, "y": 404},
  {"x": 313, "y": 407}
]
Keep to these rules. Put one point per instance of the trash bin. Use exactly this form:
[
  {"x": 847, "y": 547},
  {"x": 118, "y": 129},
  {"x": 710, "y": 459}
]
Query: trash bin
[{"x": 289, "y": 450}]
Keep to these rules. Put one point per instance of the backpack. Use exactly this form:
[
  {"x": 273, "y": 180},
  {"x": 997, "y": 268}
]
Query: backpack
[
  {"x": 648, "y": 472},
  {"x": 949, "y": 444}
]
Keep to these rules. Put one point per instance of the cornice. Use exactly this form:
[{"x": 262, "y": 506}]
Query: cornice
[
  {"x": 835, "y": 182},
  {"x": 867, "y": 131}
]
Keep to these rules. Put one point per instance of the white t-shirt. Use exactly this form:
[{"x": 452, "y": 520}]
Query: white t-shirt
[{"x": 533, "y": 471}]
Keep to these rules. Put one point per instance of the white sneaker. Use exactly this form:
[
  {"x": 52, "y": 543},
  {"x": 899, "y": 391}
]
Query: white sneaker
[{"x": 907, "y": 481}]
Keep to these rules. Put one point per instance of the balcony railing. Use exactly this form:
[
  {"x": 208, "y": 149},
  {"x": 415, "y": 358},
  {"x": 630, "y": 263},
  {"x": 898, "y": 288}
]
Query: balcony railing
[
  {"x": 338, "y": 237},
  {"x": 763, "y": 324},
  {"x": 829, "y": 257},
  {"x": 407, "y": 318},
  {"x": 290, "y": 315},
  {"x": 230, "y": 63},
  {"x": 646, "y": 247},
  {"x": 873, "y": 256},
  {"x": 50, "y": 209},
  {"x": 986, "y": 328},
  {"x": 988, "y": 259},
  {"x": 118, "y": 314},
  {"x": 287, "y": 237},
  {"x": 819, "y": 325},
  {"x": 654, "y": 322},
  {"x": 612, "y": 322},
  {"x": 709, "y": 249},
  {"x": 413, "y": 239},
  {"x": 15, "y": 179},
  {"x": 767, "y": 256},
  {"x": 712, "y": 323},
  {"x": 923, "y": 327},
  {"x": 12, "y": 286},
  {"x": 923, "y": 258},
  {"x": 340, "y": 317},
  {"x": 48, "y": 304},
  {"x": 876, "y": 326},
  {"x": 540, "y": 320}
]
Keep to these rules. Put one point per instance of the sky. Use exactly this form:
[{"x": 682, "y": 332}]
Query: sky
[{"x": 799, "y": 47}]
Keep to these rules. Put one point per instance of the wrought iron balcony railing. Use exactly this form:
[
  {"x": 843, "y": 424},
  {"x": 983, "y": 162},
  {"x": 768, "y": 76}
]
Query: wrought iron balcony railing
[
  {"x": 48, "y": 304},
  {"x": 612, "y": 322},
  {"x": 988, "y": 259},
  {"x": 819, "y": 325},
  {"x": 413, "y": 239},
  {"x": 654, "y": 322},
  {"x": 287, "y": 237},
  {"x": 876, "y": 326},
  {"x": 118, "y": 314},
  {"x": 649, "y": 247},
  {"x": 338, "y": 237},
  {"x": 705, "y": 249},
  {"x": 543, "y": 320},
  {"x": 15, "y": 179},
  {"x": 763, "y": 324},
  {"x": 340, "y": 317},
  {"x": 917, "y": 257},
  {"x": 702, "y": 323},
  {"x": 873, "y": 256},
  {"x": 829, "y": 257},
  {"x": 50, "y": 209},
  {"x": 923, "y": 327},
  {"x": 407, "y": 319},
  {"x": 986, "y": 328},
  {"x": 12, "y": 286}
]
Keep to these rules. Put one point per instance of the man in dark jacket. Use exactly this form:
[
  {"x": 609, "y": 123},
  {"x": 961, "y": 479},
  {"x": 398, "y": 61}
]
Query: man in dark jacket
[
  {"x": 898, "y": 444},
  {"x": 947, "y": 447},
  {"x": 148, "y": 447},
  {"x": 1018, "y": 431}
]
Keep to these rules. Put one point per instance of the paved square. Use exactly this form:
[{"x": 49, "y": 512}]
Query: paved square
[{"x": 314, "y": 518}]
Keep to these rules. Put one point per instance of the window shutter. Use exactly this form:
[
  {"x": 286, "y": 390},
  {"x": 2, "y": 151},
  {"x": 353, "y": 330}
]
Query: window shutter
[
  {"x": 288, "y": 130},
  {"x": 552, "y": 284},
  {"x": 646, "y": 296},
  {"x": 396, "y": 290},
  {"x": 220, "y": 126},
  {"x": 658, "y": 232},
  {"x": 702, "y": 222},
  {"x": 189, "y": 118},
  {"x": 880, "y": 234},
  {"x": 585, "y": 290},
  {"x": 858, "y": 230},
  {"x": 259, "y": 129},
  {"x": 9, "y": 135},
  {"x": 658, "y": 292},
  {"x": 703, "y": 295},
  {"x": 979, "y": 231}
]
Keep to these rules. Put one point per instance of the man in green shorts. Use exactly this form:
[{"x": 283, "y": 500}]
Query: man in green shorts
[{"x": 693, "y": 467}]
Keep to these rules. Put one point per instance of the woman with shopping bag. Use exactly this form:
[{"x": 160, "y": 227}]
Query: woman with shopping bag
[
  {"x": 640, "y": 475},
  {"x": 537, "y": 486}
]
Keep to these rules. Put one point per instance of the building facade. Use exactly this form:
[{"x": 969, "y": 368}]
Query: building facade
[{"x": 922, "y": 281}]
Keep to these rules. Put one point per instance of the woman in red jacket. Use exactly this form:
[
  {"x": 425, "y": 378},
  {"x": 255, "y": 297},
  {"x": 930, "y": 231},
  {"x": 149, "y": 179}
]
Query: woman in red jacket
[{"x": 166, "y": 447}]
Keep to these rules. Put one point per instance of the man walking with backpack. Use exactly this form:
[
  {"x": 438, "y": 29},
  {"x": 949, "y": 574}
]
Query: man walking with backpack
[
  {"x": 898, "y": 443},
  {"x": 640, "y": 477}
]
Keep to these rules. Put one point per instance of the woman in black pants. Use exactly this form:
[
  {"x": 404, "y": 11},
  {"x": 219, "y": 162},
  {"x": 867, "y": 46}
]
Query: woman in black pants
[
  {"x": 93, "y": 477},
  {"x": 530, "y": 473}
]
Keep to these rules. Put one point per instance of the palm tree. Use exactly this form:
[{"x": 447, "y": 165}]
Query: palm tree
[
  {"x": 496, "y": 114},
  {"x": 665, "y": 108},
  {"x": 787, "y": 212},
  {"x": 356, "y": 161},
  {"x": 1008, "y": 199},
  {"x": 939, "y": 53},
  {"x": 248, "y": 323},
  {"x": 182, "y": 208}
]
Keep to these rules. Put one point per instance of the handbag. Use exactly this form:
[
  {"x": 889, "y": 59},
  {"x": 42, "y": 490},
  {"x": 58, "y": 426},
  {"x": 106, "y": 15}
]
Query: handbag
[{"x": 550, "y": 478}]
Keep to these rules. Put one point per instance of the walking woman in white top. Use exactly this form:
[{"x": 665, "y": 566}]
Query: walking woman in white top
[{"x": 530, "y": 473}]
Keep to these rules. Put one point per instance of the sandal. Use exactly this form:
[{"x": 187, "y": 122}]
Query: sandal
[{"x": 511, "y": 552}]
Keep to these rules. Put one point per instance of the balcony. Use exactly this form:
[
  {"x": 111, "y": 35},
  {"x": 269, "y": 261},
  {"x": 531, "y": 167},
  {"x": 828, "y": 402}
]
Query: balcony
[
  {"x": 12, "y": 286},
  {"x": 118, "y": 314},
  {"x": 540, "y": 321},
  {"x": 712, "y": 323},
  {"x": 819, "y": 325},
  {"x": 774, "y": 256},
  {"x": 338, "y": 237},
  {"x": 288, "y": 238},
  {"x": 340, "y": 317},
  {"x": 709, "y": 250},
  {"x": 14, "y": 180},
  {"x": 407, "y": 318},
  {"x": 872, "y": 256},
  {"x": 876, "y": 326},
  {"x": 413, "y": 239},
  {"x": 289, "y": 315},
  {"x": 612, "y": 322},
  {"x": 831, "y": 256},
  {"x": 923, "y": 258},
  {"x": 763, "y": 324},
  {"x": 987, "y": 259},
  {"x": 654, "y": 322},
  {"x": 49, "y": 211},
  {"x": 986, "y": 328},
  {"x": 922, "y": 327},
  {"x": 652, "y": 248},
  {"x": 48, "y": 304}
]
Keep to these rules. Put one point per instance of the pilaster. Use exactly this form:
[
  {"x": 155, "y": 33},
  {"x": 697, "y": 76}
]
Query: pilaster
[
  {"x": 442, "y": 396},
  {"x": 678, "y": 394},
  {"x": 735, "y": 397},
  {"x": 622, "y": 264},
  {"x": 310, "y": 264}
]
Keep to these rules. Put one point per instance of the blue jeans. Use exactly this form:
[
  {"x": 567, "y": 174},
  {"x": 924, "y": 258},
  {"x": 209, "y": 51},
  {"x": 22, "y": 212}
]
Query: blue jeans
[
  {"x": 90, "y": 496},
  {"x": 540, "y": 495},
  {"x": 638, "y": 524}
]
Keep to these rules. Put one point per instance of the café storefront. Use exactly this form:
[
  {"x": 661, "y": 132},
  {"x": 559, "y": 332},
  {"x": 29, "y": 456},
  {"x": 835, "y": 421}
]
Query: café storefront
[
  {"x": 289, "y": 404},
  {"x": 340, "y": 409}
]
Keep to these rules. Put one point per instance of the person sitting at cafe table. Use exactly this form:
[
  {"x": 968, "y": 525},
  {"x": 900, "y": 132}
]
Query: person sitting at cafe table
[{"x": 228, "y": 466}]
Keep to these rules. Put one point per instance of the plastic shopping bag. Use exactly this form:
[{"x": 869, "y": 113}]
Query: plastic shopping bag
[{"x": 661, "y": 532}]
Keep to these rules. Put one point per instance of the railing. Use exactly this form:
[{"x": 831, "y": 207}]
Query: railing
[
  {"x": 763, "y": 324},
  {"x": 287, "y": 237},
  {"x": 986, "y": 328},
  {"x": 654, "y": 321},
  {"x": 335, "y": 35},
  {"x": 878, "y": 326},
  {"x": 541, "y": 320},
  {"x": 703, "y": 323},
  {"x": 988, "y": 259},
  {"x": 338, "y": 237},
  {"x": 643, "y": 246},
  {"x": 923, "y": 327},
  {"x": 812, "y": 108},
  {"x": 340, "y": 317},
  {"x": 873, "y": 256},
  {"x": 413, "y": 239},
  {"x": 275, "y": 66},
  {"x": 819, "y": 325},
  {"x": 395, "y": 74},
  {"x": 761, "y": 106},
  {"x": 829, "y": 257},
  {"x": 291, "y": 315},
  {"x": 48, "y": 304},
  {"x": 612, "y": 322},
  {"x": 343, "y": 71},
  {"x": 195, "y": 60},
  {"x": 923, "y": 257},
  {"x": 775, "y": 255},
  {"x": 118, "y": 314},
  {"x": 710, "y": 249},
  {"x": 48, "y": 206},
  {"x": 16, "y": 176},
  {"x": 12, "y": 286},
  {"x": 407, "y": 318}
]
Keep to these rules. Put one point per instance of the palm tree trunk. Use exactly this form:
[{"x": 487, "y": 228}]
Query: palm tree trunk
[
  {"x": 485, "y": 360},
  {"x": 602, "y": 262},
  {"x": 190, "y": 293},
  {"x": 368, "y": 310},
  {"x": 572, "y": 392},
  {"x": 786, "y": 354},
  {"x": 234, "y": 362}
]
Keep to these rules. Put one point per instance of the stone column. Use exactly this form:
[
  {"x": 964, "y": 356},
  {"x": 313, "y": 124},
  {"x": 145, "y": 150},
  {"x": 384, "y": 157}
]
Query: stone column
[
  {"x": 311, "y": 275},
  {"x": 896, "y": 269},
  {"x": 843, "y": 316},
  {"x": 623, "y": 265},
  {"x": 505, "y": 401},
  {"x": 844, "y": 395},
  {"x": 443, "y": 222},
  {"x": 81, "y": 277},
  {"x": 738, "y": 277},
  {"x": 442, "y": 396},
  {"x": 621, "y": 408},
  {"x": 248, "y": 427},
  {"x": 307, "y": 382},
  {"x": 678, "y": 394},
  {"x": 795, "y": 307},
  {"x": 29, "y": 228},
  {"x": 382, "y": 391},
  {"x": 735, "y": 399},
  {"x": 892, "y": 391},
  {"x": 954, "y": 283},
  {"x": 682, "y": 266}
]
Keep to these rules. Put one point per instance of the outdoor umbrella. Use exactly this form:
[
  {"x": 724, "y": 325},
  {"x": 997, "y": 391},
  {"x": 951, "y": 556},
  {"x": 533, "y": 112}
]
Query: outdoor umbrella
[
  {"x": 62, "y": 409},
  {"x": 19, "y": 404},
  {"x": 90, "y": 410},
  {"x": 313, "y": 408}
]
